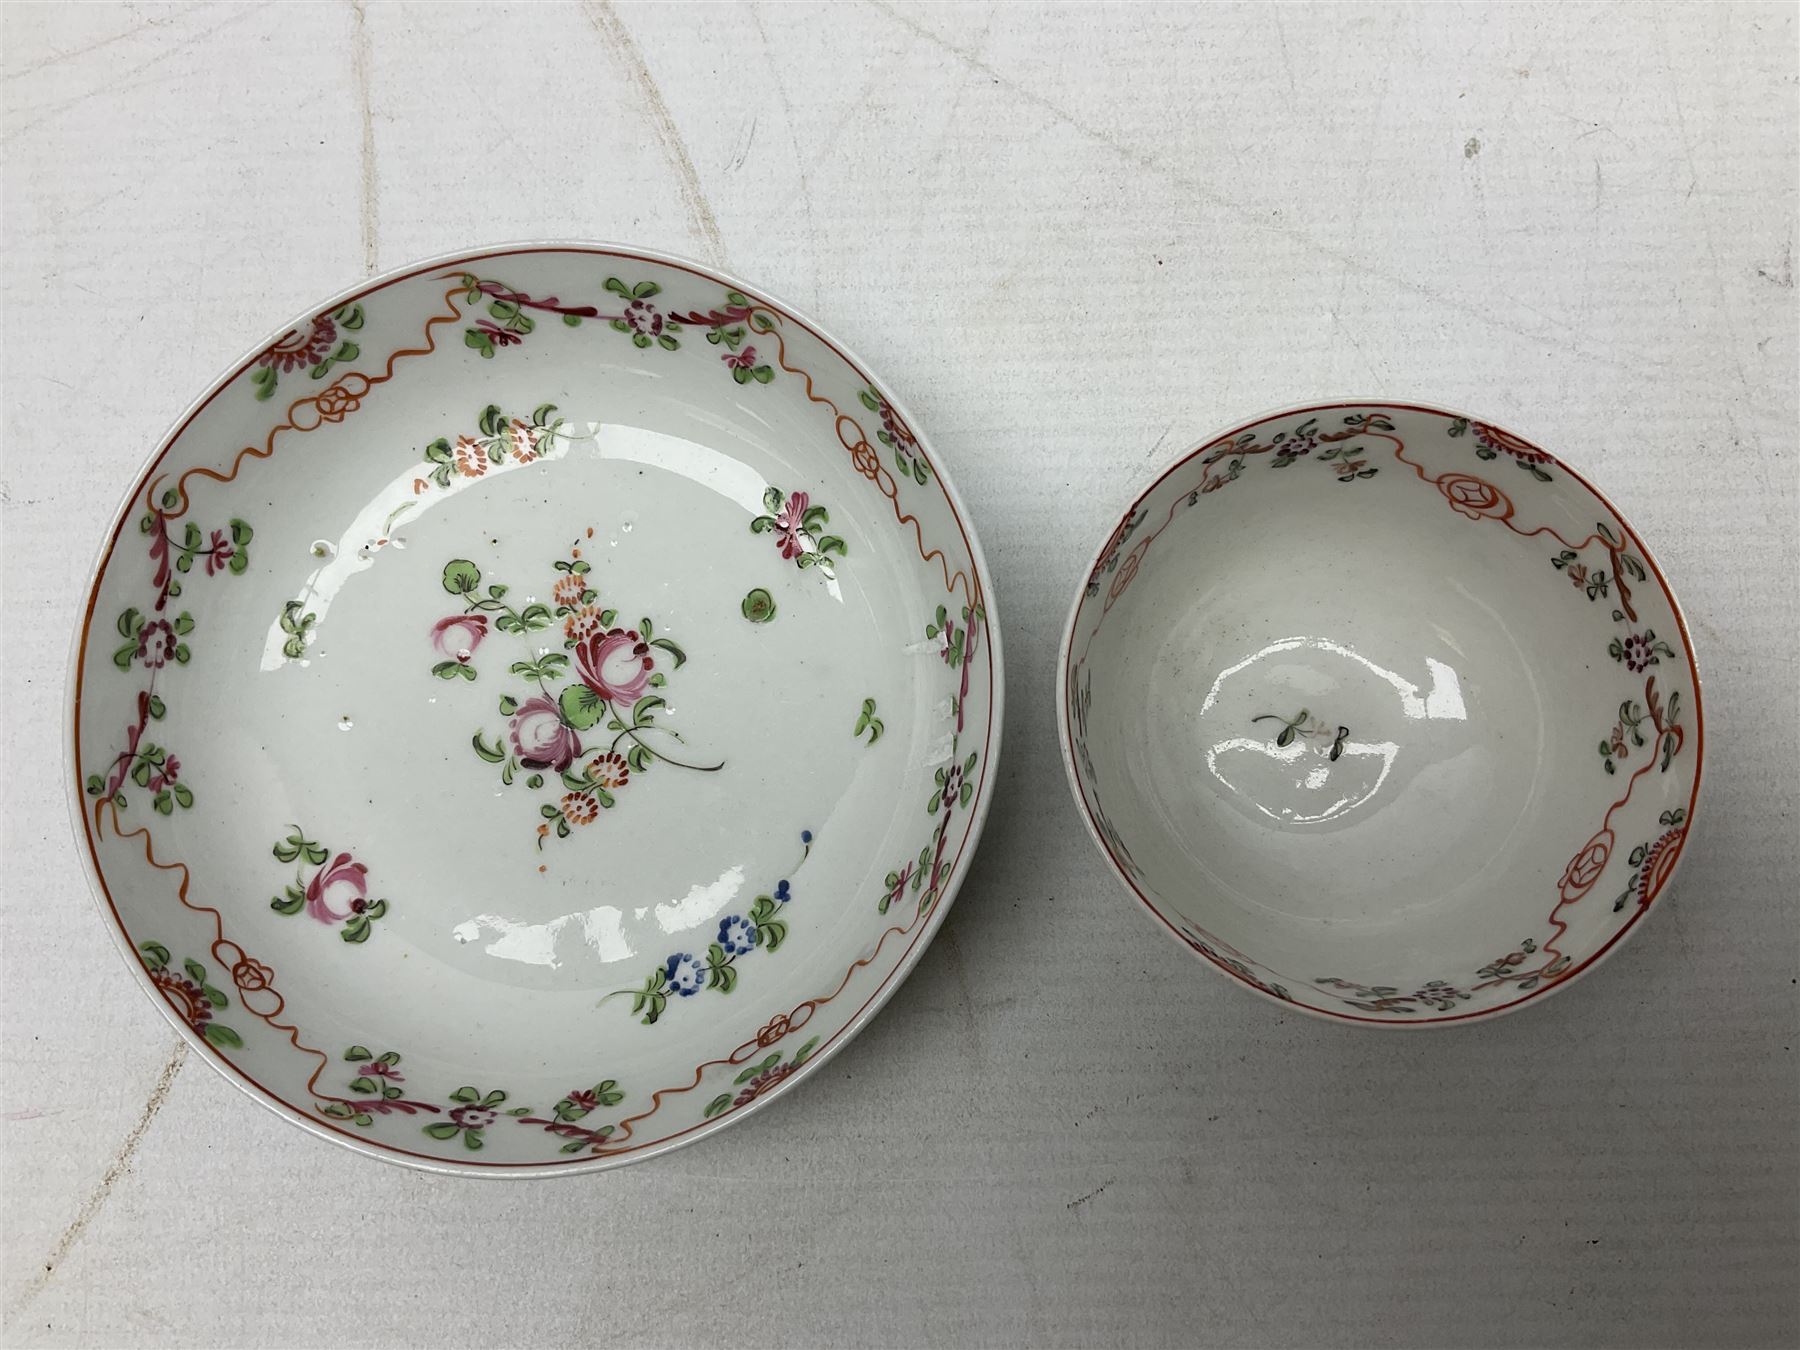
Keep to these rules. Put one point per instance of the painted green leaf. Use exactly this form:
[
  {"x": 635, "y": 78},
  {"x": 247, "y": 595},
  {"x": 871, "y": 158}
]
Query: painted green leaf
[
  {"x": 718, "y": 1104},
  {"x": 357, "y": 1053},
  {"x": 751, "y": 1072},
  {"x": 156, "y": 956},
  {"x": 444, "y": 1129},
  {"x": 465, "y": 1095},
  {"x": 262, "y": 380},
  {"x": 222, "y": 1035},
  {"x": 581, "y": 707},
  {"x": 461, "y": 576}
]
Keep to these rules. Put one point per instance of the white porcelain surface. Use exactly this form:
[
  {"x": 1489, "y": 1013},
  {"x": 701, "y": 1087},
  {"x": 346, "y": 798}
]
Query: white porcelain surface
[
  {"x": 531, "y": 775},
  {"x": 1384, "y": 712}
]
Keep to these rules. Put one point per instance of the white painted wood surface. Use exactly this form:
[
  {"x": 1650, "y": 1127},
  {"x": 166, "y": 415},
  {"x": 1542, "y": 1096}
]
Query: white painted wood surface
[{"x": 1076, "y": 239}]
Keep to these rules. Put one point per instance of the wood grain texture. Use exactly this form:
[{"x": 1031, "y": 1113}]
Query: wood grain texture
[{"x": 1075, "y": 241}]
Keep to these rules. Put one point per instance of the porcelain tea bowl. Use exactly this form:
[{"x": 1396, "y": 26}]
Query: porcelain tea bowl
[
  {"x": 534, "y": 710},
  {"x": 1384, "y": 712}
]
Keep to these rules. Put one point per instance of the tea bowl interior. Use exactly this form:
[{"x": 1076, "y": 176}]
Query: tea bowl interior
[
  {"x": 534, "y": 710},
  {"x": 1384, "y": 712}
]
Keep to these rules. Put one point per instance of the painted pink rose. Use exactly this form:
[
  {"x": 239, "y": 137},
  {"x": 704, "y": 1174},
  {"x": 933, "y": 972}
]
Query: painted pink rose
[
  {"x": 457, "y": 637},
  {"x": 743, "y": 360},
  {"x": 540, "y": 737},
  {"x": 787, "y": 525},
  {"x": 338, "y": 890},
  {"x": 474, "y": 1117},
  {"x": 616, "y": 664}
]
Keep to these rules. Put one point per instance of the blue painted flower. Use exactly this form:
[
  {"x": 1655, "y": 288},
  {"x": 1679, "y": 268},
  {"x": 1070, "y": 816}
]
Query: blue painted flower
[
  {"x": 684, "y": 975},
  {"x": 736, "y": 935},
  {"x": 782, "y": 894}
]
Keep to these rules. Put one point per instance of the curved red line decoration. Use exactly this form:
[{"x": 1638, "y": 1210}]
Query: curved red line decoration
[{"x": 330, "y": 405}]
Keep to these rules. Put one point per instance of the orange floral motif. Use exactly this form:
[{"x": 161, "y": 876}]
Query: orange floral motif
[
  {"x": 580, "y": 808},
  {"x": 251, "y": 975},
  {"x": 337, "y": 403},
  {"x": 471, "y": 457},
  {"x": 1585, "y": 867},
  {"x": 1474, "y": 497},
  {"x": 1127, "y": 570},
  {"x": 1664, "y": 853},
  {"x": 610, "y": 770}
]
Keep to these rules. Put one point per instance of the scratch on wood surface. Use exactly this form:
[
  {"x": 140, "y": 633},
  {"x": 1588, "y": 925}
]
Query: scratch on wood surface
[
  {"x": 1251, "y": 217},
  {"x": 800, "y": 167},
  {"x": 121, "y": 1163},
  {"x": 612, "y": 30},
  {"x": 1080, "y": 1200},
  {"x": 57, "y": 58},
  {"x": 119, "y": 82},
  {"x": 359, "y": 65}
]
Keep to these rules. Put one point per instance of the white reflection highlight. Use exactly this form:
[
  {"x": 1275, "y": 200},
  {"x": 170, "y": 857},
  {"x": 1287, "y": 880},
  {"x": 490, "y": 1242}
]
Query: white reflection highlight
[
  {"x": 534, "y": 944},
  {"x": 601, "y": 928},
  {"x": 408, "y": 496},
  {"x": 701, "y": 903},
  {"x": 1444, "y": 700},
  {"x": 1317, "y": 776}
]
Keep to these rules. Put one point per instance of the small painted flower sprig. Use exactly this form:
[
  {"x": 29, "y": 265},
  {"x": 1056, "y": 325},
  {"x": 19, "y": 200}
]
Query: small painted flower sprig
[
  {"x": 1504, "y": 969},
  {"x": 797, "y": 525},
  {"x": 336, "y": 893},
  {"x": 507, "y": 324},
  {"x": 1595, "y": 581},
  {"x": 898, "y": 437},
  {"x": 727, "y": 330},
  {"x": 1386, "y": 998},
  {"x": 756, "y": 1079},
  {"x": 953, "y": 788},
  {"x": 868, "y": 723},
  {"x": 1491, "y": 442},
  {"x": 1651, "y": 860},
  {"x": 641, "y": 319},
  {"x": 153, "y": 640},
  {"x": 457, "y": 636},
  {"x": 499, "y": 439},
  {"x": 190, "y": 995},
  {"x": 1640, "y": 651},
  {"x": 150, "y": 766},
  {"x": 1288, "y": 448},
  {"x": 378, "y": 1088},
  {"x": 295, "y": 349},
  {"x": 575, "y": 1107},
  {"x": 470, "y": 1118},
  {"x": 683, "y": 975},
  {"x": 1628, "y": 731}
]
